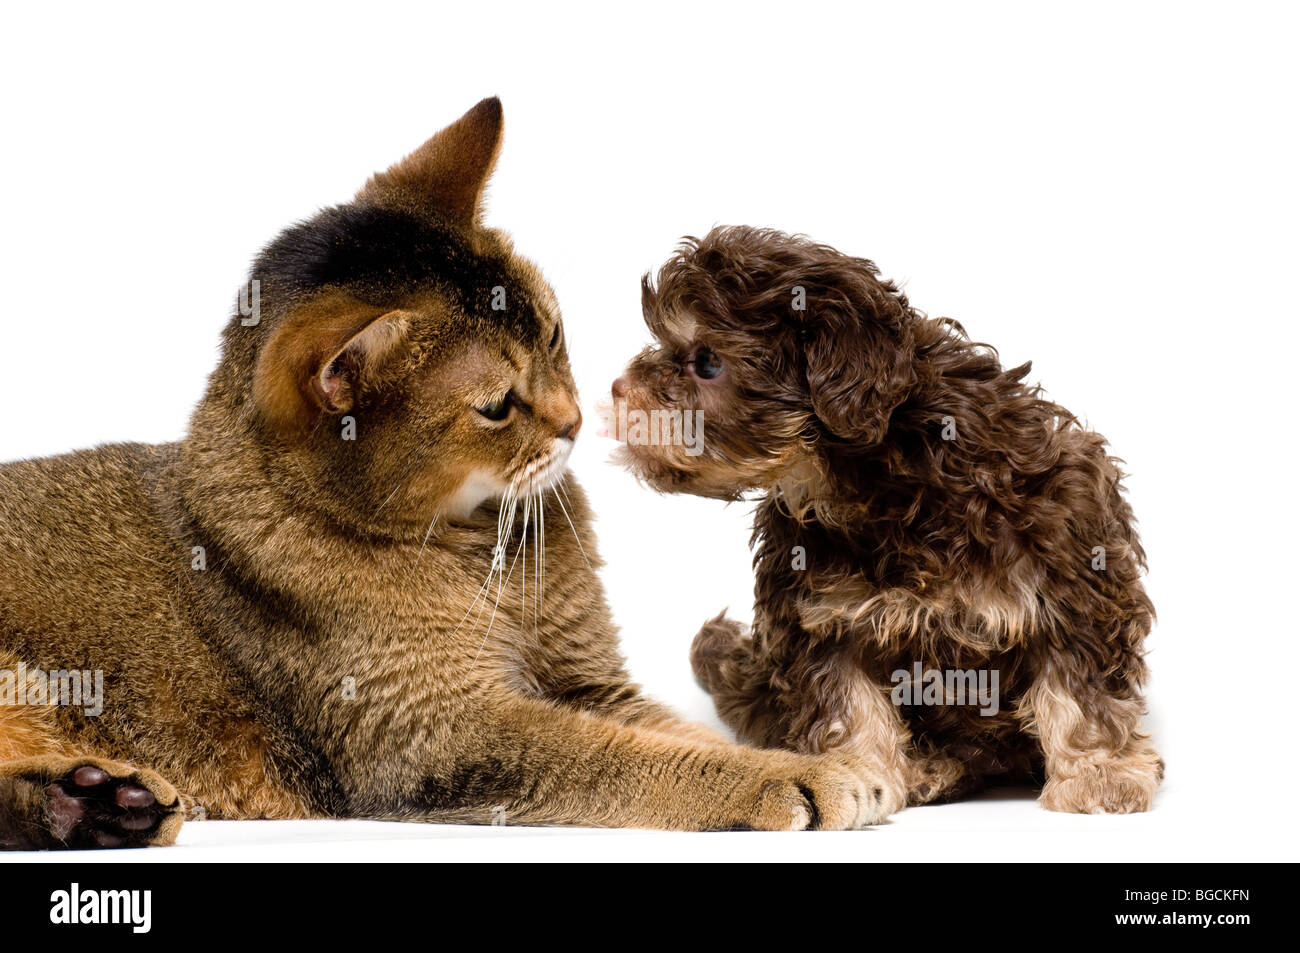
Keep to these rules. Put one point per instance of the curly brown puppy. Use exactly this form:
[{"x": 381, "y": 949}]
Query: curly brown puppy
[{"x": 948, "y": 576}]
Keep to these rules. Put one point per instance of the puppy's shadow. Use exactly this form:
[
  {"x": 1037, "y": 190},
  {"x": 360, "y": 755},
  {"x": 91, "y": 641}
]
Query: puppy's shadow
[
  {"x": 1025, "y": 793},
  {"x": 1004, "y": 792}
]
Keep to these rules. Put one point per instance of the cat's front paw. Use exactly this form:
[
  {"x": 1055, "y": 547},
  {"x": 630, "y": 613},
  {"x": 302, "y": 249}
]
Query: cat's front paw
[
  {"x": 89, "y": 803},
  {"x": 832, "y": 792}
]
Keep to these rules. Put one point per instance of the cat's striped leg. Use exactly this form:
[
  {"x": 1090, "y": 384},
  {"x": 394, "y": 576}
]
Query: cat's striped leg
[
  {"x": 621, "y": 700},
  {"x": 568, "y": 767}
]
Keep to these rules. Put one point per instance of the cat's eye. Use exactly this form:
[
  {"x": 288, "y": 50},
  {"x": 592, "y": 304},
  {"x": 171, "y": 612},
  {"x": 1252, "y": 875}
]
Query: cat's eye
[
  {"x": 706, "y": 364},
  {"x": 497, "y": 410}
]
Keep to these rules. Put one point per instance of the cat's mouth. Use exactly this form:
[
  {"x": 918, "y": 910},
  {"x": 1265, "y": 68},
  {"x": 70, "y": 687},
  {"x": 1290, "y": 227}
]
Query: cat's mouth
[{"x": 543, "y": 471}]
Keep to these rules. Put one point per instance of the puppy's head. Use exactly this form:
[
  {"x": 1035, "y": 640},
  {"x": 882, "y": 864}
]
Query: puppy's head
[{"x": 775, "y": 347}]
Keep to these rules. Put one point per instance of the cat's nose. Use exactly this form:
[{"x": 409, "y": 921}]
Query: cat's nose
[
  {"x": 570, "y": 431},
  {"x": 618, "y": 388}
]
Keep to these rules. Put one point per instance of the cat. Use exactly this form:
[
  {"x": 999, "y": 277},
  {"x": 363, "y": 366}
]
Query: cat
[{"x": 309, "y": 607}]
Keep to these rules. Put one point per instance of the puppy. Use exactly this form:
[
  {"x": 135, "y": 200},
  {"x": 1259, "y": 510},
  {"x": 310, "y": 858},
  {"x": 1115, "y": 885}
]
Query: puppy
[{"x": 947, "y": 575}]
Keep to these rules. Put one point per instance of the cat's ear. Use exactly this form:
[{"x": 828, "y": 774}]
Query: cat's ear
[
  {"x": 321, "y": 359},
  {"x": 339, "y": 377},
  {"x": 446, "y": 176}
]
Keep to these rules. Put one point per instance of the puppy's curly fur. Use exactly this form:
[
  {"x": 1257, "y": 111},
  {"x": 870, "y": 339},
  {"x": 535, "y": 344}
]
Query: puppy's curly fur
[{"x": 920, "y": 504}]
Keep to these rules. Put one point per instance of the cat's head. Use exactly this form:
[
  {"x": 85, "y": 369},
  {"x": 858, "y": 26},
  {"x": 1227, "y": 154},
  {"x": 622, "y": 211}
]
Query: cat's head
[{"x": 401, "y": 351}]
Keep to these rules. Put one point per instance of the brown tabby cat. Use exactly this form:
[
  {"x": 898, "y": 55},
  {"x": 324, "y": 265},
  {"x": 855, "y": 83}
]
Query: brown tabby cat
[{"x": 310, "y": 607}]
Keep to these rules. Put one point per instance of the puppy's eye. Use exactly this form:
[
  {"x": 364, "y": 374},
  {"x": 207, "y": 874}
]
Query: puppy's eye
[
  {"x": 498, "y": 410},
  {"x": 707, "y": 365},
  {"x": 555, "y": 337}
]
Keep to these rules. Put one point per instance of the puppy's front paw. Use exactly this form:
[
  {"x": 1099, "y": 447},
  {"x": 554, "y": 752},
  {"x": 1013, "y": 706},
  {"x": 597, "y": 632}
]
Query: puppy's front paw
[
  {"x": 1119, "y": 786},
  {"x": 833, "y": 792}
]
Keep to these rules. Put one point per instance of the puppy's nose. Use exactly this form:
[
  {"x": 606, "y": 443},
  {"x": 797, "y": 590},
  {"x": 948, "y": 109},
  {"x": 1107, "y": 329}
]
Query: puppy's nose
[
  {"x": 618, "y": 388},
  {"x": 570, "y": 430}
]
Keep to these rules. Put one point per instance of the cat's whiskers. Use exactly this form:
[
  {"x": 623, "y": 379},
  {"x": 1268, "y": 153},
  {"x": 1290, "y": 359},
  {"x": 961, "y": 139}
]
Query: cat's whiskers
[
  {"x": 427, "y": 533},
  {"x": 538, "y": 555},
  {"x": 480, "y": 599},
  {"x": 556, "y": 489},
  {"x": 386, "y": 499},
  {"x": 523, "y": 588},
  {"x": 533, "y": 491},
  {"x": 541, "y": 532},
  {"x": 498, "y": 560},
  {"x": 503, "y": 577}
]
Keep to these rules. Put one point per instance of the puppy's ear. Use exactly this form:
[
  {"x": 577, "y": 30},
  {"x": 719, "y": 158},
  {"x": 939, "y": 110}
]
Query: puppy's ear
[
  {"x": 322, "y": 358},
  {"x": 860, "y": 366},
  {"x": 446, "y": 176}
]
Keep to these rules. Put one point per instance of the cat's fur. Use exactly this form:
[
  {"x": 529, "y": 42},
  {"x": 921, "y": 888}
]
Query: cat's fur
[
  {"x": 295, "y": 624},
  {"x": 920, "y": 505}
]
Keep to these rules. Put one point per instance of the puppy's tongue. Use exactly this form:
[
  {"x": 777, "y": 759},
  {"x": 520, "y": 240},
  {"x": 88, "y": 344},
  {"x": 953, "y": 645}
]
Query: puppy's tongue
[{"x": 606, "y": 419}]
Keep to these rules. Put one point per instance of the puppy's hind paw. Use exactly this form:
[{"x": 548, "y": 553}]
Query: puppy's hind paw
[{"x": 716, "y": 648}]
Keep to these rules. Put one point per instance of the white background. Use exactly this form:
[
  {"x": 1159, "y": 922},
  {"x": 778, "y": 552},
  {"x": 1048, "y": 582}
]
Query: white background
[{"x": 1108, "y": 190}]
